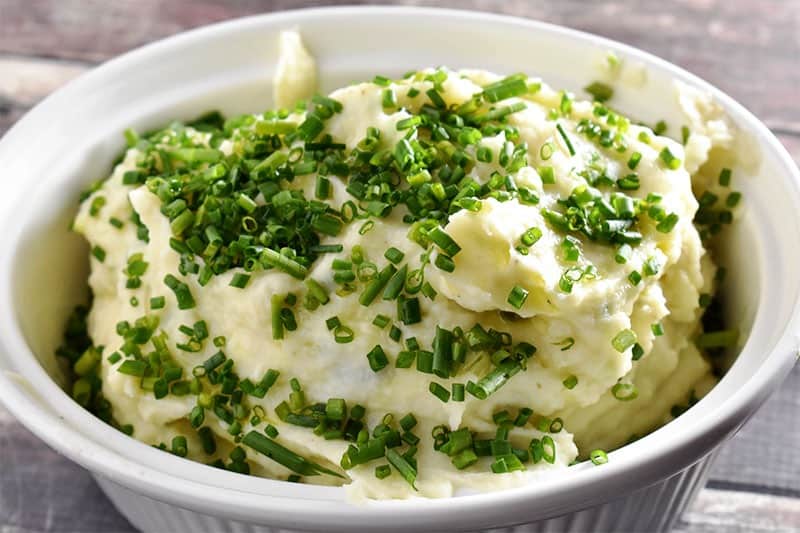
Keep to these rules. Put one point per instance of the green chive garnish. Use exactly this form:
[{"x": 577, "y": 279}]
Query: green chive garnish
[
  {"x": 276, "y": 302},
  {"x": 672, "y": 162},
  {"x": 624, "y": 392},
  {"x": 517, "y": 297},
  {"x": 600, "y": 91},
  {"x": 182, "y": 293},
  {"x": 446, "y": 243},
  {"x": 598, "y": 457},
  {"x": 402, "y": 465},
  {"x": 284, "y": 456},
  {"x": 377, "y": 358},
  {"x": 566, "y": 139},
  {"x": 439, "y": 391},
  {"x": 725, "y": 338},
  {"x": 239, "y": 280},
  {"x": 505, "y": 88},
  {"x": 623, "y": 340}
]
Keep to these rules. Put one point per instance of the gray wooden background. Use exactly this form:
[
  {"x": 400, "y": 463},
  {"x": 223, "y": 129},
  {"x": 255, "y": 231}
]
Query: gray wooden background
[{"x": 748, "y": 48}]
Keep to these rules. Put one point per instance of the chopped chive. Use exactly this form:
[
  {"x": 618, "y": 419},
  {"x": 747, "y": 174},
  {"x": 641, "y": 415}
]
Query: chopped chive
[
  {"x": 685, "y": 133},
  {"x": 505, "y": 88},
  {"x": 570, "y": 382},
  {"x": 733, "y": 199},
  {"x": 97, "y": 204},
  {"x": 444, "y": 262},
  {"x": 567, "y": 142},
  {"x": 99, "y": 253},
  {"x": 547, "y": 174},
  {"x": 290, "y": 266},
  {"x": 181, "y": 290},
  {"x": 623, "y": 340},
  {"x": 323, "y": 188},
  {"x": 517, "y": 297},
  {"x": 439, "y": 391},
  {"x": 725, "y": 338},
  {"x": 381, "y": 321},
  {"x": 623, "y": 254},
  {"x": 157, "y": 302},
  {"x": 546, "y": 151},
  {"x": 276, "y": 302},
  {"x": 624, "y": 392},
  {"x": 389, "y": 99},
  {"x": 408, "y": 422},
  {"x": 436, "y": 98},
  {"x": 634, "y": 160},
  {"x": 383, "y": 471},
  {"x": 309, "y": 129},
  {"x": 725, "y": 177},
  {"x": 484, "y": 154},
  {"x": 343, "y": 334},
  {"x": 377, "y": 358},
  {"x": 395, "y": 284},
  {"x": 409, "y": 311},
  {"x": 598, "y": 457},
  {"x": 651, "y": 266},
  {"x": 672, "y": 162},
  {"x": 442, "y": 352},
  {"x": 132, "y": 367},
  {"x": 531, "y": 236},
  {"x": 239, "y": 280},
  {"x": 458, "y": 392},
  {"x": 317, "y": 291},
  {"x": 408, "y": 123},
  {"x": 405, "y": 359},
  {"x": 637, "y": 352},
  {"x": 429, "y": 291},
  {"x": 376, "y": 285},
  {"x": 294, "y": 462},
  {"x": 400, "y": 463},
  {"x": 657, "y": 329},
  {"x": 344, "y": 276},
  {"x": 425, "y": 361},
  {"x": 668, "y": 223},
  {"x": 446, "y": 243},
  {"x": 600, "y": 91},
  {"x": 394, "y": 255},
  {"x": 494, "y": 380}
]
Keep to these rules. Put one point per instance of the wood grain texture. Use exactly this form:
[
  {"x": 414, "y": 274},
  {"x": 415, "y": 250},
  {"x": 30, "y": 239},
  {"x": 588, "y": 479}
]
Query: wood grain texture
[
  {"x": 748, "y": 49},
  {"x": 719, "y": 510}
]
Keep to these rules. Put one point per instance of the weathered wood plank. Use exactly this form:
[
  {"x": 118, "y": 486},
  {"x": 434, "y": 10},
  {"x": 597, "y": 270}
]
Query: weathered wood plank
[
  {"x": 749, "y": 50},
  {"x": 42, "y": 491},
  {"x": 763, "y": 455},
  {"x": 718, "y": 510},
  {"x": 24, "y": 81}
]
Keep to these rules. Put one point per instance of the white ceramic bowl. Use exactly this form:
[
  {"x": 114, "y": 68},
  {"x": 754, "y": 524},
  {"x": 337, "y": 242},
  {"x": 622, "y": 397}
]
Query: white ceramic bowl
[{"x": 72, "y": 137}]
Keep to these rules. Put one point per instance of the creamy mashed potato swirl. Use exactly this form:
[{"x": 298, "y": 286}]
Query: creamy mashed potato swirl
[{"x": 611, "y": 318}]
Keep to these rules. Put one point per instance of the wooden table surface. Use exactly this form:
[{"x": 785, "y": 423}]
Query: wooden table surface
[{"x": 748, "y": 48}]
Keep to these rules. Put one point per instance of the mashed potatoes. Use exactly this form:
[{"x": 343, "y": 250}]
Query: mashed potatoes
[{"x": 450, "y": 281}]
